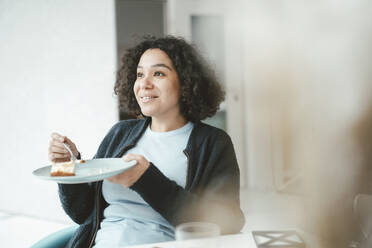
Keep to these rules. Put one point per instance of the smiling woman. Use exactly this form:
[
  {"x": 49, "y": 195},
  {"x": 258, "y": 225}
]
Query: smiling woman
[{"x": 186, "y": 170}]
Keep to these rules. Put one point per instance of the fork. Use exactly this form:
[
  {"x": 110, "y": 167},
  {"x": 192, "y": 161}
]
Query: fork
[{"x": 73, "y": 158}]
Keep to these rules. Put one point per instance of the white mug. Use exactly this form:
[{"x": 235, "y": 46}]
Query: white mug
[{"x": 197, "y": 230}]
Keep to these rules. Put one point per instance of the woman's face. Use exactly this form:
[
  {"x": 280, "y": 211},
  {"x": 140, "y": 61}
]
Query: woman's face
[{"x": 157, "y": 85}]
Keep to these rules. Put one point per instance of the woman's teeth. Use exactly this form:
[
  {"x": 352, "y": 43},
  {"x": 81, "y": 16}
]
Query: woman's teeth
[{"x": 147, "y": 98}]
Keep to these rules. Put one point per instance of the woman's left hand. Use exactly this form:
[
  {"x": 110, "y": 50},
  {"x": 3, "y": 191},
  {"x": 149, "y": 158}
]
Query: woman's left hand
[{"x": 129, "y": 177}]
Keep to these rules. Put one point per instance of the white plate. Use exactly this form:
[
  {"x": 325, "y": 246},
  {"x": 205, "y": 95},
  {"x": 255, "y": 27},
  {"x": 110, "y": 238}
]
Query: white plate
[{"x": 90, "y": 171}]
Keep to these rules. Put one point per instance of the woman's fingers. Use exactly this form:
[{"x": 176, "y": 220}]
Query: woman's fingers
[
  {"x": 71, "y": 145},
  {"x": 130, "y": 157},
  {"x": 130, "y": 176},
  {"x": 57, "y": 151},
  {"x": 68, "y": 141},
  {"x": 57, "y": 141},
  {"x": 141, "y": 160},
  {"x": 58, "y": 137},
  {"x": 57, "y": 148},
  {"x": 59, "y": 157}
]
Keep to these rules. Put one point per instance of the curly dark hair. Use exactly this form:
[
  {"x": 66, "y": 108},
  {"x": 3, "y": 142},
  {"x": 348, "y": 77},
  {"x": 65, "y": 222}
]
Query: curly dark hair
[{"x": 200, "y": 92}]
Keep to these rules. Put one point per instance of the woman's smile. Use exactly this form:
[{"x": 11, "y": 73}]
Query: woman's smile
[{"x": 148, "y": 99}]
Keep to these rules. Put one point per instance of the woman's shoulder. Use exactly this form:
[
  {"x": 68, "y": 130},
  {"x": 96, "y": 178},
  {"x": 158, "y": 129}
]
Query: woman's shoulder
[
  {"x": 205, "y": 131},
  {"x": 126, "y": 129},
  {"x": 210, "y": 130},
  {"x": 128, "y": 124},
  {"x": 131, "y": 122}
]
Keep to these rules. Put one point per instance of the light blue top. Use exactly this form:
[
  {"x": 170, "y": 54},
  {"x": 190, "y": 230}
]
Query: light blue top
[{"x": 129, "y": 220}]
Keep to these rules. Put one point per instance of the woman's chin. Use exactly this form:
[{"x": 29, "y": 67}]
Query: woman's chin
[{"x": 147, "y": 112}]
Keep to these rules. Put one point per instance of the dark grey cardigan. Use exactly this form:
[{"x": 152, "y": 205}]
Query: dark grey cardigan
[{"x": 211, "y": 193}]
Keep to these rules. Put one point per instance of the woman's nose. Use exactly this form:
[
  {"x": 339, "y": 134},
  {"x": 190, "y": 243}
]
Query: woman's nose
[{"x": 146, "y": 83}]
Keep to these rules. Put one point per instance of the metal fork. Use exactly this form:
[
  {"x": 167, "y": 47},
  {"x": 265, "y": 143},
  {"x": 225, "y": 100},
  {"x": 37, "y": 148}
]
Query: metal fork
[{"x": 73, "y": 158}]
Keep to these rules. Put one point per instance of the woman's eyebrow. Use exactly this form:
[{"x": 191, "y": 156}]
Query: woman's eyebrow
[
  {"x": 162, "y": 65},
  {"x": 158, "y": 65}
]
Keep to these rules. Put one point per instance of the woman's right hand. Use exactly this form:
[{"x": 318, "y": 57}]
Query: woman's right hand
[{"x": 57, "y": 151}]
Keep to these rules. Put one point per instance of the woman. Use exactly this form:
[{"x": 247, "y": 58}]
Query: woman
[{"x": 186, "y": 170}]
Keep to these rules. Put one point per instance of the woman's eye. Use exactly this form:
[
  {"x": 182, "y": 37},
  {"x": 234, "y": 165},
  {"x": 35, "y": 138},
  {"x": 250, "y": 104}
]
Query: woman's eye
[
  {"x": 139, "y": 74},
  {"x": 159, "y": 74}
]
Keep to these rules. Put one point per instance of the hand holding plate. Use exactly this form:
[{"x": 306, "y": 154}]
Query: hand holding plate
[{"x": 129, "y": 177}]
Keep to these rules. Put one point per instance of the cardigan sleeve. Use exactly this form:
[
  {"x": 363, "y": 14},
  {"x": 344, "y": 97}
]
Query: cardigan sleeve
[
  {"x": 77, "y": 200},
  {"x": 216, "y": 200}
]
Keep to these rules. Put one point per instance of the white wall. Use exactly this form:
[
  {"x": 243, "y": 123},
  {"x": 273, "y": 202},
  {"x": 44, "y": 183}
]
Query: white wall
[{"x": 57, "y": 70}]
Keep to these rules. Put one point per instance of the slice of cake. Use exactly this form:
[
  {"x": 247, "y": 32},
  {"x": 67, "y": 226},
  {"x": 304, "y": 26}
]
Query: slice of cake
[{"x": 63, "y": 169}]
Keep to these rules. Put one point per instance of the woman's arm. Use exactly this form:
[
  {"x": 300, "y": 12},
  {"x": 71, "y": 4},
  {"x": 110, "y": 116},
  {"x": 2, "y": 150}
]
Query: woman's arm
[
  {"x": 77, "y": 200},
  {"x": 215, "y": 199}
]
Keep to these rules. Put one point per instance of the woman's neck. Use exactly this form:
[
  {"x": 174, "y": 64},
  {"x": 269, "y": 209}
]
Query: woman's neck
[{"x": 166, "y": 125}]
